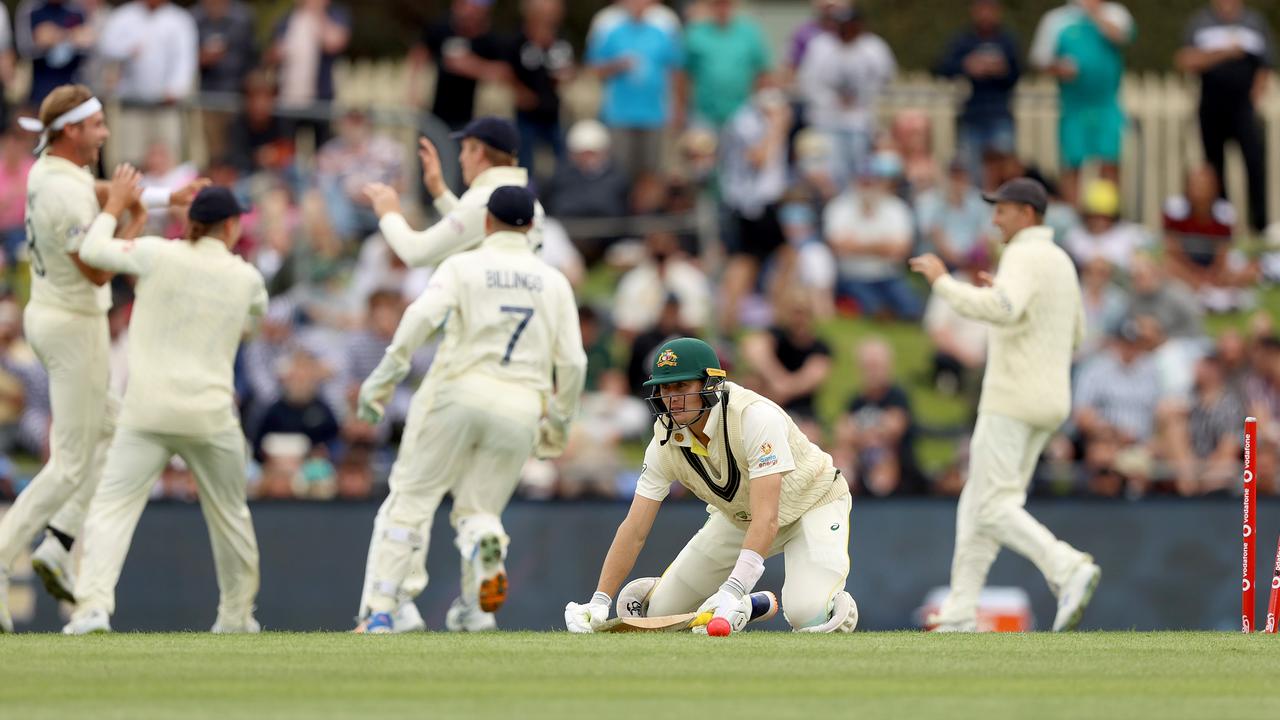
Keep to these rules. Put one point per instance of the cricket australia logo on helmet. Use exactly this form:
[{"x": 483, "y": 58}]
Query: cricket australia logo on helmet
[{"x": 668, "y": 358}]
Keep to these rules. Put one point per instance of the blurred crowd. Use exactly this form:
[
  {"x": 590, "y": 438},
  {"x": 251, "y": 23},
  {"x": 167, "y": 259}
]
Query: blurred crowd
[{"x": 817, "y": 204}]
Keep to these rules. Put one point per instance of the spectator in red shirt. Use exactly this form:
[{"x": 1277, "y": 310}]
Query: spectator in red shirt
[
  {"x": 1198, "y": 229},
  {"x": 15, "y": 163}
]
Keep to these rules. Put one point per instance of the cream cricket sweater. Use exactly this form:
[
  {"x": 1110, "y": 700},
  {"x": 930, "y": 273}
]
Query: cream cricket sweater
[{"x": 1037, "y": 315}]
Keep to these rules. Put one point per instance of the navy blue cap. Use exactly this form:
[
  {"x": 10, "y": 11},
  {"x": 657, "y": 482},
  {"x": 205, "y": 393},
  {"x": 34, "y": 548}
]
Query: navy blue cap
[
  {"x": 513, "y": 205},
  {"x": 213, "y": 205},
  {"x": 495, "y": 132},
  {"x": 1024, "y": 191}
]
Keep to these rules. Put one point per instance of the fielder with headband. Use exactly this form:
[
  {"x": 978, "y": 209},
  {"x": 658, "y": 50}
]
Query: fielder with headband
[{"x": 66, "y": 324}]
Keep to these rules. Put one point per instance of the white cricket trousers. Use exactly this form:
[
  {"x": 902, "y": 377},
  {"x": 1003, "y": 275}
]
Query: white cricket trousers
[
  {"x": 815, "y": 549},
  {"x": 472, "y": 453},
  {"x": 134, "y": 461},
  {"x": 73, "y": 347},
  {"x": 991, "y": 513}
]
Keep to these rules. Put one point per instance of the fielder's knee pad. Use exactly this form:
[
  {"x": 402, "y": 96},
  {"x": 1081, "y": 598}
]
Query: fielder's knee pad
[
  {"x": 471, "y": 528},
  {"x": 842, "y": 616},
  {"x": 397, "y": 546},
  {"x": 403, "y": 536},
  {"x": 633, "y": 599}
]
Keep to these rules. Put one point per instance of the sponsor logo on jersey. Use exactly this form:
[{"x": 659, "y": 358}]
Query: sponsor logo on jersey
[
  {"x": 766, "y": 448},
  {"x": 668, "y": 358},
  {"x": 835, "y": 526},
  {"x": 767, "y": 461},
  {"x": 743, "y": 515}
]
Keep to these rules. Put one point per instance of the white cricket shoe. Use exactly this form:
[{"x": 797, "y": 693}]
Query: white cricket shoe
[
  {"x": 490, "y": 572},
  {"x": 408, "y": 619},
  {"x": 1075, "y": 595},
  {"x": 956, "y": 627},
  {"x": 249, "y": 626},
  {"x": 52, "y": 563},
  {"x": 468, "y": 618},
  {"x": 935, "y": 623},
  {"x": 6, "y": 620},
  {"x": 94, "y": 621}
]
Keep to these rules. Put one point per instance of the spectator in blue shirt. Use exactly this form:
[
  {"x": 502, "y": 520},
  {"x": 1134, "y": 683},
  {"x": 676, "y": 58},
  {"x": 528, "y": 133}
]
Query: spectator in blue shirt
[
  {"x": 54, "y": 36},
  {"x": 636, "y": 61},
  {"x": 987, "y": 55}
]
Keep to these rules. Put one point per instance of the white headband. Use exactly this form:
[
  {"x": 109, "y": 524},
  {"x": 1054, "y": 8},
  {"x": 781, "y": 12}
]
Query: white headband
[{"x": 79, "y": 113}]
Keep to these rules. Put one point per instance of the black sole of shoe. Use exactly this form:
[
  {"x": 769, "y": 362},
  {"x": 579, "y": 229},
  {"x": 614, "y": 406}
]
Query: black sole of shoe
[{"x": 52, "y": 582}]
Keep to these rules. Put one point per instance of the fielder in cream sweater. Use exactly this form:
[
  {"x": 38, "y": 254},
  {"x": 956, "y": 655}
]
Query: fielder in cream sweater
[
  {"x": 1034, "y": 307},
  {"x": 488, "y": 162},
  {"x": 194, "y": 302},
  {"x": 769, "y": 491}
]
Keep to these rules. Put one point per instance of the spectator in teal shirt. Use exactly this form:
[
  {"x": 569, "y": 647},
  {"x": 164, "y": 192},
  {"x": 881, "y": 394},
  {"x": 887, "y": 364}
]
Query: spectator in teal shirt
[
  {"x": 636, "y": 61},
  {"x": 725, "y": 54},
  {"x": 1082, "y": 45}
]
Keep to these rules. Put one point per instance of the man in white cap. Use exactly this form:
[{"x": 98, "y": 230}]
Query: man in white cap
[
  {"x": 1037, "y": 316},
  {"x": 194, "y": 300},
  {"x": 510, "y": 325},
  {"x": 590, "y": 184},
  {"x": 488, "y": 160},
  {"x": 66, "y": 324}
]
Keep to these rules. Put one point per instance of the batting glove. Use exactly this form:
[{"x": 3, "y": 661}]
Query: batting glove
[
  {"x": 585, "y": 618},
  {"x": 722, "y": 603}
]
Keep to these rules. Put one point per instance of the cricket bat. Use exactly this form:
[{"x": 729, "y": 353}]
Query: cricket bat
[{"x": 764, "y": 605}]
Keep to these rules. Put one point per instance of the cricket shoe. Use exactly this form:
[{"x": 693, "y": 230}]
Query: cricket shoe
[
  {"x": 463, "y": 617},
  {"x": 489, "y": 570},
  {"x": 955, "y": 627},
  {"x": 379, "y": 624},
  {"x": 52, "y": 562},
  {"x": 405, "y": 619},
  {"x": 247, "y": 627},
  {"x": 93, "y": 622},
  {"x": 408, "y": 619},
  {"x": 1076, "y": 593},
  {"x": 6, "y": 620}
]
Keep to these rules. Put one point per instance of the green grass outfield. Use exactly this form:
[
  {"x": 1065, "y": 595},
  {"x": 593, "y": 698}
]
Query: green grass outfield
[{"x": 658, "y": 676}]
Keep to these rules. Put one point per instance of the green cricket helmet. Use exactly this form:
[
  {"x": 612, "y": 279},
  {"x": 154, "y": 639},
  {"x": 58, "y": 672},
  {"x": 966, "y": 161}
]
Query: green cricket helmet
[{"x": 680, "y": 360}]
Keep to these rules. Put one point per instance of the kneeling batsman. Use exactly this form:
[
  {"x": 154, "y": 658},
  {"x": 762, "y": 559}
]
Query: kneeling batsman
[{"x": 769, "y": 490}]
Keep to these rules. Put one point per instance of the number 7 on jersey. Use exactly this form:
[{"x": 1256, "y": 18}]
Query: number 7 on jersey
[{"x": 526, "y": 314}]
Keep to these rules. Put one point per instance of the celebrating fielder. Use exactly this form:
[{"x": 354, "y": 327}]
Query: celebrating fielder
[
  {"x": 1035, "y": 308},
  {"x": 194, "y": 302},
  {"x": 66, "y": 324},
  {"x": 509, "y": 321},
  {"x": 488, "y": 161},
  {"x": 768, "y": 488}
]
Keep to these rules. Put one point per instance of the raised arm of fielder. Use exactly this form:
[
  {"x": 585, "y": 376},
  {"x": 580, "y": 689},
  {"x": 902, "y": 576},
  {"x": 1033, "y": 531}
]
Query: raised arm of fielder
[
  {"x": 456, "y": 231},
  {"x": 101, "y": 248},
  {"x": 1003, "y": 303}
]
